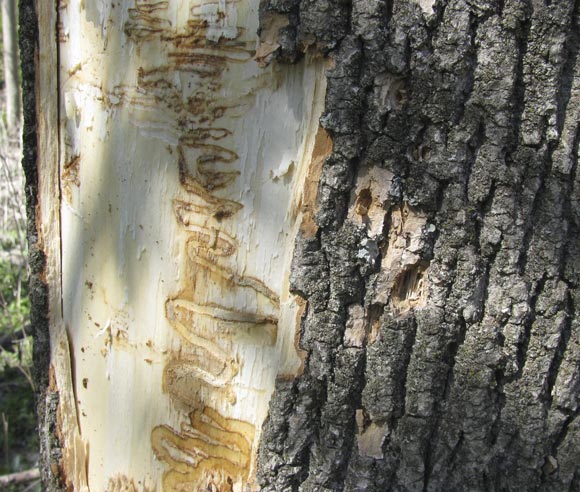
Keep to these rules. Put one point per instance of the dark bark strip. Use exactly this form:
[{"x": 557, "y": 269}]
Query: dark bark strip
[
  {"x": 467, "y": 377},
  {"x": 46, "y": 400}
]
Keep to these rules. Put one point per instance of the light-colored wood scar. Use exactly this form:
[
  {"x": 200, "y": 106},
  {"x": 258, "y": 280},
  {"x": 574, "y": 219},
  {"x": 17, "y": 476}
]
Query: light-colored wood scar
[
  {"x": 70, "y": 177},
  {"x": 210, "y": 452},
  {"x": 201, "y": 237},
  {"x": 188, "y": 379},
  {"x": 221, "y": 208},
  {"x": 241, "y": 281},
  {"x": 185, "y": 318}
]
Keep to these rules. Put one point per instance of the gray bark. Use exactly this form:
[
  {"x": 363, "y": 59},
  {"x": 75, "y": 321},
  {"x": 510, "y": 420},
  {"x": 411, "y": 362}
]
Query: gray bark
[{"x": 474, "y": 110}]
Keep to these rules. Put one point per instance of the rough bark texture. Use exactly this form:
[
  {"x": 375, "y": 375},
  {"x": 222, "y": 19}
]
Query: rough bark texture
[
  {"x": 46, "y": 401},
  {"x": 441, "y": 332}
]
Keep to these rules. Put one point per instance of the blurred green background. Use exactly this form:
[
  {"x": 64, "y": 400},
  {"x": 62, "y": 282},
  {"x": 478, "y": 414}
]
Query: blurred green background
[{"x": 18, "y": 435}]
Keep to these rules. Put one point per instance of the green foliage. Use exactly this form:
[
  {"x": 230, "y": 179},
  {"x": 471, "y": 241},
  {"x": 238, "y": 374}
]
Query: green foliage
[
  {"x": 17, "y": 421},
  {"x": 34, "y": 487},
  {"x": 18, "y": 436},
  {"x": 14, "y": 300}
]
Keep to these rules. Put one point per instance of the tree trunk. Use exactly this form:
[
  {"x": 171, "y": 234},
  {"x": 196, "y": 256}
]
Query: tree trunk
[
  {"x": 391, "y": 185},
  {"x": 11, "y": 75}
]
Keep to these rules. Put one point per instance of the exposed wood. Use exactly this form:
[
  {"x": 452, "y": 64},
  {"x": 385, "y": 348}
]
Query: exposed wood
[{"x": 181, "y": 164}]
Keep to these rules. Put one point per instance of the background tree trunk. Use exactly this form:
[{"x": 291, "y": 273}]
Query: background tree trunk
[
  {"x": 434, "y": 279},
  {"x": 12, "y": 76},
  {"x": 20, "y": 477}
]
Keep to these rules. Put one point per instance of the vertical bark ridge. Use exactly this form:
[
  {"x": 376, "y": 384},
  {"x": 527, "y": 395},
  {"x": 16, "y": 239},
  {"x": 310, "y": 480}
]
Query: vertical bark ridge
[
  {"x": 543, "y": 255},
  {"x": 572, "y": 48}
]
